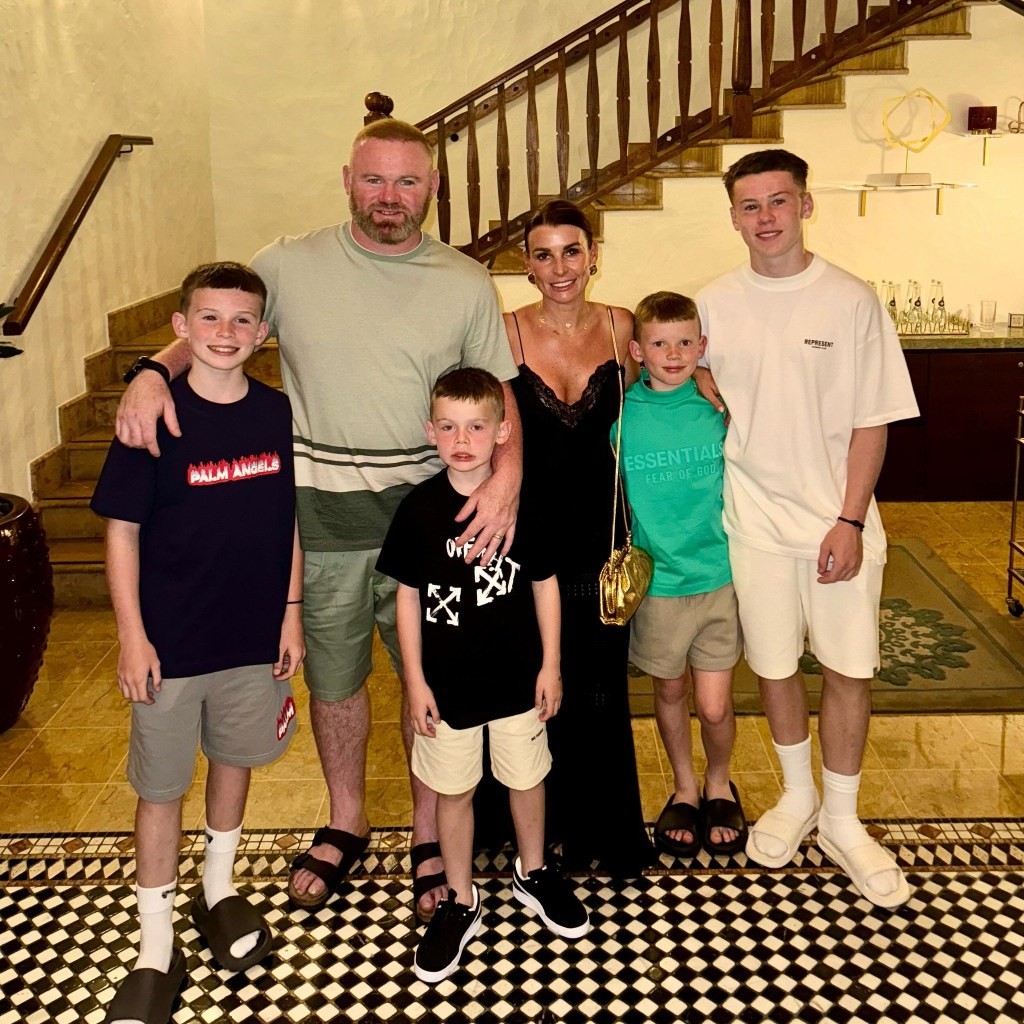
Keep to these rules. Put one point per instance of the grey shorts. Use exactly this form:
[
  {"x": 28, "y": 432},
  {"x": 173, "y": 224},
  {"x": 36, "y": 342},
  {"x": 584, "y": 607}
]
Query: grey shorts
[
  {"x": 344, "y": 596},
  {"x": 702, "y": 630},
  {"x": 243, "y": 717}
]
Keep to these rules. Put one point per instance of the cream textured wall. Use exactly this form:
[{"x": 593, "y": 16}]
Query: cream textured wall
[{"x": 72, "y": 73}]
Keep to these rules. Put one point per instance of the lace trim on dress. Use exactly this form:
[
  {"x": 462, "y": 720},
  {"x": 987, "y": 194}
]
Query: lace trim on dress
[{"x": 570, "y": 413}]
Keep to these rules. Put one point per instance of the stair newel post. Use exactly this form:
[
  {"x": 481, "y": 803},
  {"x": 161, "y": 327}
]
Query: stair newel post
[
  {"x": 653, "y": 79},
  {"x": 894, "y": 11},
  {"x": 742, "y": 73},
  {"x": 685, "y": 67},
  {"x": 767, "y": 42},
  {"x": 622, "y": 94},
  {"x": 593, "y": 110},
  {"x": 504, "y": 174},
  {"x": 715, "y": 60},
  {"x": 862, "y": 17},
  {"x": 444, "y": 201},
  {"x": 799, "y": 21},
  {"x": 831, "y": 10},
  {"x": 532, "y": 140},
  {"x": 473, "y": 178},
  {"x": 562, "y": 128}
]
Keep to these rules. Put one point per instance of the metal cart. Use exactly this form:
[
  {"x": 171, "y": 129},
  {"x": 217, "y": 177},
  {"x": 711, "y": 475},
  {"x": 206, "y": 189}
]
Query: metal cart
[{"x": 1015, "y": 573}]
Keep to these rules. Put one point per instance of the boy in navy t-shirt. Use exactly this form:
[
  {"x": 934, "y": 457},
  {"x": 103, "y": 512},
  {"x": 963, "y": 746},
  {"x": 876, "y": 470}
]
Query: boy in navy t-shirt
[{"x": 205, "y": 577}]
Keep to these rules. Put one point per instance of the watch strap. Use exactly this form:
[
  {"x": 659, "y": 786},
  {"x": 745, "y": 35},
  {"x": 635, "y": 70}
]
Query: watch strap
[
  {"x": 852, "y": 522},
  {"x": 145, "y": 363}
]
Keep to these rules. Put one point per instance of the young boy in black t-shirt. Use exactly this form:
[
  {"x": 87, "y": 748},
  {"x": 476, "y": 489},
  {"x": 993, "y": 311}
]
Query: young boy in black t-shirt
[
  {"x": 205, "y": 577},
  {"x": 480, "y": 647}
]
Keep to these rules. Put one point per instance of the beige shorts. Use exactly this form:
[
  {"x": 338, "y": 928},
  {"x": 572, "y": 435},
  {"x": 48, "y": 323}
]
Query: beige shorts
[
  {"x": 781, "y": 602},
  {"x": 702, "y": 630},
  {"x": 452, "y": 761},
  {"x": 243, "y": 717},
  {"x": 344, "y": 596}
]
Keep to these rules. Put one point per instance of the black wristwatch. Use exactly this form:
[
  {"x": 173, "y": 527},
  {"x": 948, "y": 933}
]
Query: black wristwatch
[{"x": 145, "y": 363}]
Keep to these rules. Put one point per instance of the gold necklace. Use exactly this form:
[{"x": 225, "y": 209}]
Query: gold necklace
[{"x": 581, "y": 324}]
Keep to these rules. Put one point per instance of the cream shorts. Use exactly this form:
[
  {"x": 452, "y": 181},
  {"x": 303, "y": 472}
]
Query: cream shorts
[
  {"x": 242, "y": 717},
  {"x": 781, "y": 602},
  {"x": 702, "y": 630},
  {"x": 452, "y": 761},
  {"x": 344, "y": 596}
]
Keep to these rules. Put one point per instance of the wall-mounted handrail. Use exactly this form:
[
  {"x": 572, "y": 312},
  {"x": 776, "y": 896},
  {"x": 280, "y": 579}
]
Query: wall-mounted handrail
[{"x": 57, "y": 246}]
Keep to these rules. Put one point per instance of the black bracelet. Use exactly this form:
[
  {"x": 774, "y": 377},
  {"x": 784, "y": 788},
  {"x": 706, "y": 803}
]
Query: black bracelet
[
  {"x": 852, "y": 522},
  {"x": 296, "y": 601}
]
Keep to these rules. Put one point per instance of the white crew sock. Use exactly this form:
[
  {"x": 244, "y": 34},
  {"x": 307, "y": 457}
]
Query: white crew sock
[
  {"x": 799, "y": 797},
  {"x": 839, "y": 821},
  {"x": 156, "y": 911},
  {"x": 218, "y": 872}
]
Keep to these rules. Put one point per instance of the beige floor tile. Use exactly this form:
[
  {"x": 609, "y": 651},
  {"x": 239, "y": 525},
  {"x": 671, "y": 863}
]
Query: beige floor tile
[
  {"x": 72, "y": 662},
  {"x": 958, "y": 793},
  {"x": 385, "y": 697},
  {"x": 70, "y": 755},
  {"x": 12, "y": 746},
  {"x": 300, "y": 761},
  {"x": 113, "y": 810},
  {"x": 654, "y": 791},
  {"x": 385, "y": 754},
  {"x": 880, "y": 796},
  {"x": 389, "y": 803},
  {"x": 73, "y": 625},
  {"x": 1001, "y": 737},
  {"x": 650, "y": 756},
  {"x": 45, "y": 808},
  {"x": 46, "y": 699},
  {"x": 926, "y": 741},
  {"x": 284, "y": 804},
  {"x": 758, "y": 792},
  {"x": 100, "y": 704}
]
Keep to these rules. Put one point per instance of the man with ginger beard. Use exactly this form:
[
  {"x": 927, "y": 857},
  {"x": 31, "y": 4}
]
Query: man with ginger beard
[{"x": 368, "y": 314}]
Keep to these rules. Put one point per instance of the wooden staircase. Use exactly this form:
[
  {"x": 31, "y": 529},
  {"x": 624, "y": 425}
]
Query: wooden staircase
[{"x": 64, "y": 478}]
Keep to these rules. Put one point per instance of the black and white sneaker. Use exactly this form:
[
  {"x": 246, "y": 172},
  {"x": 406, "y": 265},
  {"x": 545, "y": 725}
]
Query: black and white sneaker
[
  {"x": 447, "y": 935},
  {"x": 553, "y": 897}
]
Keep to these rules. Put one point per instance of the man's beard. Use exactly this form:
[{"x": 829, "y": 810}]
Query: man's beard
[{"x": 392, "y": 232}]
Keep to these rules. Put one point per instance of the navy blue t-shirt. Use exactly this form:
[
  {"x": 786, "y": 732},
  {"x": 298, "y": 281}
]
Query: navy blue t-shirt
[
  {"x": 217, "y": 511},
  {"x": 481, "y": 646}
]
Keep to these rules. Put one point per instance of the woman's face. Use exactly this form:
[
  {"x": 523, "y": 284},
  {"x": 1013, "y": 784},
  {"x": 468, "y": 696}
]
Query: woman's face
[{"x": 560, "y": 259}]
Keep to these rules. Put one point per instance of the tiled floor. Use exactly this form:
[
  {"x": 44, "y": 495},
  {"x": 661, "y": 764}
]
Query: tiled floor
[{"x": 62, "y": 765}]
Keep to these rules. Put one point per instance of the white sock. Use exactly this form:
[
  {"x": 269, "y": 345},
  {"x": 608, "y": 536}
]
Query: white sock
[
  {"x": 799, "y": 797},
  {"x": 218, "y": 872},
  {"x": 156, "y": 911},
  {"x": 843, "y": 827}
]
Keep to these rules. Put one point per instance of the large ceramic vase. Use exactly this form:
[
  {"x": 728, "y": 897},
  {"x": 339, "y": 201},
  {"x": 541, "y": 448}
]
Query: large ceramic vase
[{"x": 26, "y": 604}]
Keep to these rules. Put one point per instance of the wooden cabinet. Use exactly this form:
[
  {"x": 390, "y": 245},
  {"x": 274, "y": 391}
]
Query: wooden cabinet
[{"x": 962, "y": 446}]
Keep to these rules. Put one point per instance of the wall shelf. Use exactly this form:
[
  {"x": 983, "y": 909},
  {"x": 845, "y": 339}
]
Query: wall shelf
[{"x": 938, "y": 187}]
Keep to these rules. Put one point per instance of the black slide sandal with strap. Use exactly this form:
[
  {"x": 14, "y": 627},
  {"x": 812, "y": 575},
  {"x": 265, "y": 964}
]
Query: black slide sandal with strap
[
  {"x": 681, "y": 817},
  {"x": 421, "y": 886},
  {"x": 351, "y": 848},
  {"x": 149, "y": 995},
  {"x": 230, "y": 919}
]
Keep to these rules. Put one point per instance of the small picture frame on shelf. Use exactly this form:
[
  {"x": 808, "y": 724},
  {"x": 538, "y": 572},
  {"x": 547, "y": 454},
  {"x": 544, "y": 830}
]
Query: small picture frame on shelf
[{"x": 1015, "y": 321}]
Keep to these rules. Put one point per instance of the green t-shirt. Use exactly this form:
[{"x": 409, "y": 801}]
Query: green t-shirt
[{"x": 672, "y": 466}]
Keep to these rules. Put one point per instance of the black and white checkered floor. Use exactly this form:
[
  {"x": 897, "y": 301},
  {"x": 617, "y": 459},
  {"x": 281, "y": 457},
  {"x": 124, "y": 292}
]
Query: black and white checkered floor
[{"x": 722, "y": 941}]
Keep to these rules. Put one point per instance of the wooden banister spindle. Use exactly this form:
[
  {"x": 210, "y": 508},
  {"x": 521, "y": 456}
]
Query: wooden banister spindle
[
  {"x": 894, "y": 11},
  {"x": 862, "y": 17},
  {"x": 562, "y": 127},
  {"x": 799, "y": 21},
  {"x": 715, "y": 60},
  {"x": 831, "y": 10},
  {"x": 653, "y": 79},
  {"x": 532, "y": 141},
  {"x": 502, "y": 158},
  {"x": 593, "y": 110},
  {"x": 444, "y": 200},
  {"x": 473, "y": 179},
  {"x": 767, "y": 42},
  {"x": 622, "y": 94},
  {"x": 742, "y": 73},
  {"x": 685, "y": 67}
]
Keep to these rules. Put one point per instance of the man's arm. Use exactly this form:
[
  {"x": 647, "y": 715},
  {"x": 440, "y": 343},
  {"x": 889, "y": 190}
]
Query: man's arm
[
  {"x": 708, "y": 388},
  {"x": 495, "y": 503},
  {"x": 410, "y": 643},
  {"x": 548, "y": 695},
  {"x": 148, "y": 398},
  {"x": 292, "y": 645},
  {"x": 845, "y": 543},
  {"x": 137, "y": 660}
]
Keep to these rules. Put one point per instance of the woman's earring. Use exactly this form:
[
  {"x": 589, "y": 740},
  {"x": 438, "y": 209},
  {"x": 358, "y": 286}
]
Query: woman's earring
[
  {"x": 593, "y": 269},
  {"x": 532, "y": 278}
]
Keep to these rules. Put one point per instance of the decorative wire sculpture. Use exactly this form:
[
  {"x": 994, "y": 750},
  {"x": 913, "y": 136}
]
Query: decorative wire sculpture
[{"x": 1017, "y": 126}]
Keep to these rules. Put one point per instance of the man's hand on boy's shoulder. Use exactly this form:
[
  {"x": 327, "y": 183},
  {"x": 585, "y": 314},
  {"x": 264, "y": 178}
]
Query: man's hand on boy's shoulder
[
  {"x": 423, "y": 711},
  {"x": 707, "y": 388},
  {"x": 146, "y": 400},
  {"x": 548, "y": 696},
  {"x": 138, "y": 671},
  {"x": 292, "y": 646}
]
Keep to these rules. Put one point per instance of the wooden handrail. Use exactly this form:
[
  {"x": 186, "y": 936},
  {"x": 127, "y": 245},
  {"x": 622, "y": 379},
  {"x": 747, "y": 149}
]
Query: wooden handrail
[
  {"x": 47, "y": 264},
  {"x": 720, "y": 87}
]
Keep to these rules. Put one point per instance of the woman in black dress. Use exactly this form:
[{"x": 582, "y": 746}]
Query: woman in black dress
[{"x": 573, "y": 361}]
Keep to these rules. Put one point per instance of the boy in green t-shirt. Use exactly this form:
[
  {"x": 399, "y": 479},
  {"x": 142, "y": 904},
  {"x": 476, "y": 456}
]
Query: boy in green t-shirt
[{"x": 672, "y": 467}]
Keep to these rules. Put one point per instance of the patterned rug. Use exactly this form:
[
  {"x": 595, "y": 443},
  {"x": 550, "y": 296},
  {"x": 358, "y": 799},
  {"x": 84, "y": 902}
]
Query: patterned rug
[
  {"x": 718, "y": 941},
  {"x": 943, "y": 647}
]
